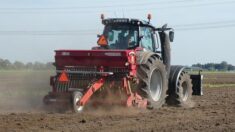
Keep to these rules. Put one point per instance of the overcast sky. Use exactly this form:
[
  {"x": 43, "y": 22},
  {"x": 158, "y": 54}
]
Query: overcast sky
[{"x": 30, "y": 30}]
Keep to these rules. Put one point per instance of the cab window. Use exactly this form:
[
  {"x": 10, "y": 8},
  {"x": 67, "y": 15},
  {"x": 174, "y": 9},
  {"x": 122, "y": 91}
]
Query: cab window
[
  {"x": 121, "y": 36},
  {"x": 147, "y": 40}
]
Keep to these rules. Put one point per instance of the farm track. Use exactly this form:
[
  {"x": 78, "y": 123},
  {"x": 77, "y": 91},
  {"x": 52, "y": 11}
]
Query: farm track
[{"x": 215, "y": 111}]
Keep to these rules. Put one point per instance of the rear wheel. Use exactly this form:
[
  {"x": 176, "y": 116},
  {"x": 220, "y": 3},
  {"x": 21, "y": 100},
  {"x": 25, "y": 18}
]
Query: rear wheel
[
  {"x": 181, "y": 96},
  {"x": 153, "y": 82},
  {"x": 76, "y": 98}
]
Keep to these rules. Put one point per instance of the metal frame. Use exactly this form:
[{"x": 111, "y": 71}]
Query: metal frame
[{"x": 85, "y": 72}]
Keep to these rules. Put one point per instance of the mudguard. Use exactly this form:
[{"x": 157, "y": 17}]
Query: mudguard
[{"x": 143, "y": 56}]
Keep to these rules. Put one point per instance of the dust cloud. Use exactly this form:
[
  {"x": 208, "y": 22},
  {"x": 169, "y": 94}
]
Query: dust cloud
[{"x": 23, "y": 91}]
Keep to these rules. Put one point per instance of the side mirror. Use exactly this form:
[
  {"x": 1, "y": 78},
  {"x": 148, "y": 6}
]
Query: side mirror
[{"x": 171, "y": 36}]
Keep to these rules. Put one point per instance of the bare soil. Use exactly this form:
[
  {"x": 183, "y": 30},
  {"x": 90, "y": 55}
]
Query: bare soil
[
  {"x": 215, "y": 111},
  {"x": 219, "y": 78}
]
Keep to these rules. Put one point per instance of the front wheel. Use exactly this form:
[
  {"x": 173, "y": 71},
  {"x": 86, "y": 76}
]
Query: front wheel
[{"x": 76, "y": 98}]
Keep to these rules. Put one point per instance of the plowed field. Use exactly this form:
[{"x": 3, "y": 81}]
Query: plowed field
[{"x": 21, "y": 109}]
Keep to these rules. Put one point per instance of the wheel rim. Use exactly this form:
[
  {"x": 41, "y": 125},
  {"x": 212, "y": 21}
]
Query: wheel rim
[
  {"x": 156, "y": 85},
  {"x": 185, "y": 91},
  {"x": 77, "y": 108}
]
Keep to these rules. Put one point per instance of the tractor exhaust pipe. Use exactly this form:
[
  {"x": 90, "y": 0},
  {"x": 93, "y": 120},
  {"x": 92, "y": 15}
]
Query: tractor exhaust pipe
[{"x": 166, "y": 51}]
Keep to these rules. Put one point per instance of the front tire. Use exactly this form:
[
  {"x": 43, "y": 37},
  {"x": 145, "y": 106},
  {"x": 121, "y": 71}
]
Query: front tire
[
  {"x": 76, "y": 98},
  {"x": 153, "y": 82}
]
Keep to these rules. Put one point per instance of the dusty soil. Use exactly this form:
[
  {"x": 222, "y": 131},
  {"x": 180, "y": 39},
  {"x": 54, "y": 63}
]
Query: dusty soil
[{"x": 215, "y": 111}]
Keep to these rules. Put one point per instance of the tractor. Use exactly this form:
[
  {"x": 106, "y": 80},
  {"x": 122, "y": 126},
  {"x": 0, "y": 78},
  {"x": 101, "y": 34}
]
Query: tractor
[{"x": 132, "y": 61}]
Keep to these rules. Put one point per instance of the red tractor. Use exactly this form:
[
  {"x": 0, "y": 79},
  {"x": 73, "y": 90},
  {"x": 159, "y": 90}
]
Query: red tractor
[{"x": 132, "y": 60}]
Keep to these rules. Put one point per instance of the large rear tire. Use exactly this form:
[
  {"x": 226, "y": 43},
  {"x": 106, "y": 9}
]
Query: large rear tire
[
  {"x": 153, "y": 82},
  {"x": 181, "y": 96}
]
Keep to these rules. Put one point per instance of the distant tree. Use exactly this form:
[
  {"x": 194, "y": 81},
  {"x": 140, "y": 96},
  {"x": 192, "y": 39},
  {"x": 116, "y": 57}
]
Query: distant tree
[
  {"x": 223, "y": 66},
  {"x": 29, "y": 66},
  {"x": 5, "y": 64},
  {"x": 197, "y": 65},
  {"x": 209, "y": 66},
  {"x": 18, "y": 65},
  {"x": 231, "y": 68},
  {"x": 49, "y": 65},
  {"x": 38, "y": 66},
  {"x": 1, "y": 63}
]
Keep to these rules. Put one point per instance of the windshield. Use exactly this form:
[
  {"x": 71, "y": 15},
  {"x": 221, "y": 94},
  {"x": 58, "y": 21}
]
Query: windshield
[{"x": 121, "y": 36}]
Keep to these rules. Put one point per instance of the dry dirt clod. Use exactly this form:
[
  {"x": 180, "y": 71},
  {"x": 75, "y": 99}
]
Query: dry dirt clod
[{"x": 83, "y": 121}]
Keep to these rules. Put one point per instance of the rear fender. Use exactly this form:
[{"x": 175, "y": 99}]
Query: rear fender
[{"x": 143, "y": 56}]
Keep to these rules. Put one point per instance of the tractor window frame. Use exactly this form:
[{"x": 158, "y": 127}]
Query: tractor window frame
[
  {"x": 131, "y": 39},
  {"x": 157, "y": 40},
  {"x": 148, "y": 34}
]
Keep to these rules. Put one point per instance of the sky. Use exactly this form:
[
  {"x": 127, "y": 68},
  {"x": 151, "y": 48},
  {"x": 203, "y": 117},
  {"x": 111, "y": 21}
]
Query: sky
[{"x": 30, "y": 30}]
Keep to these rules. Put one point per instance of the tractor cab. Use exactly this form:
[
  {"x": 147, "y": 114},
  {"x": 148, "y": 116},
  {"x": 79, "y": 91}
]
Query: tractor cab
[{"x": 123, "y": 33}]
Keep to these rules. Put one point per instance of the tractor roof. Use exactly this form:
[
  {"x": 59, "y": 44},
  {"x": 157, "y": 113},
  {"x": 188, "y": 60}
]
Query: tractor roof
[{"x": 126, "y": 21}]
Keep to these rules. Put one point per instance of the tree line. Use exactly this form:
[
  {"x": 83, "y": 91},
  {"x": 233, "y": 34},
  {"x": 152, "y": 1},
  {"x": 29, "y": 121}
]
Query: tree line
[
  {"x": 223, "y": 66},
  {"x": 5, "y": 64}
]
